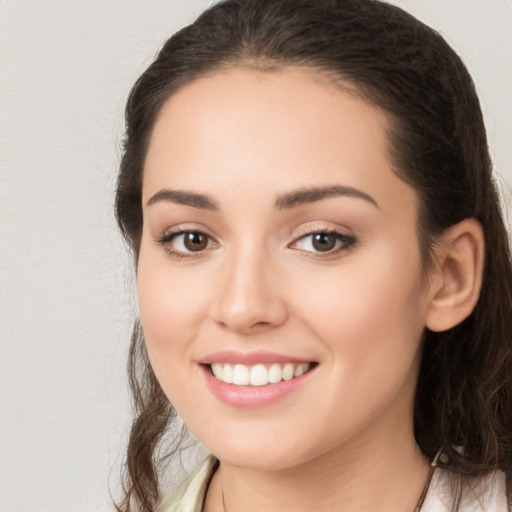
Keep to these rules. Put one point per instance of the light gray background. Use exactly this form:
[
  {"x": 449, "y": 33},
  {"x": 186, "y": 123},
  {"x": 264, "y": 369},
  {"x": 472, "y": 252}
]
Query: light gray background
[{"x": 66, "y": 290}]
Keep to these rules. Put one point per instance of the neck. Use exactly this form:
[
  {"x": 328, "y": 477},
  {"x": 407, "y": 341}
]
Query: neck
[{"x": 367, "y": 476}]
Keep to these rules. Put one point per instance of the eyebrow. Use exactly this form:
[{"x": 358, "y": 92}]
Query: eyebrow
[
  {"x": 314, "y": 194},
  {"x": 200, "y": 201},
  {"x": 283, "y": 202}
]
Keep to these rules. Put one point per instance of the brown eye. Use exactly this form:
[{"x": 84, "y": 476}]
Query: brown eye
[
  {"x": 186, "y": 243},
  {"x": 323, "y": 242},
  {"x": 195, "y": 241}
]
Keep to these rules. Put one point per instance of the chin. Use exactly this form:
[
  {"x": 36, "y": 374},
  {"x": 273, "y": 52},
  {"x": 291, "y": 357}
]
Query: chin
[{"x": 261, "y": 452}]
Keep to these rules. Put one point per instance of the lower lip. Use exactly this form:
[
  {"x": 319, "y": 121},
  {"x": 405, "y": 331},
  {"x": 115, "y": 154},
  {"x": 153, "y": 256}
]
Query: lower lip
[{"x": 251, "y": 396}]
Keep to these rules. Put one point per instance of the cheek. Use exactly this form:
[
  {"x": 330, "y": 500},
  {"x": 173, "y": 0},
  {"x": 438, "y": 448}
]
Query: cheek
[
  {"x": 170, "y": 312},
  {"x": 370, "y": 323},
  {"x": 163, "y": 305},
  {"x": 371, "y": 309},
  {"x": 170, "y": 306}
]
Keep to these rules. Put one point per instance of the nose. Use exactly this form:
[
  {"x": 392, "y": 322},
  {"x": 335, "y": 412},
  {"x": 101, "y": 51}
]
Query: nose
[{"x": 249, "y": 300}]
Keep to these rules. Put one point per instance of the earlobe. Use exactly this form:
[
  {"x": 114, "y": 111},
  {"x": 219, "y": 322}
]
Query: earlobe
[{"x": 456, "y": 285}]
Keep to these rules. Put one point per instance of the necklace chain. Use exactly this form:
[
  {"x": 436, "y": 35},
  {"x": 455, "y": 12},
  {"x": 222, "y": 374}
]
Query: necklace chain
[
  {"x": 419, "y": 506},
  {"x": 433, "y": 466}
]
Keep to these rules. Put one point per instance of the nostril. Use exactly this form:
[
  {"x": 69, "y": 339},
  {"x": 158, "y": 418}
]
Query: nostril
[{"x": 261, "y": 324}]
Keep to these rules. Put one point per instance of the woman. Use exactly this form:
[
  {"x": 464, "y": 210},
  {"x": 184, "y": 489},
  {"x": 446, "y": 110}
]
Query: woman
[{"x": 323, "y": 271}]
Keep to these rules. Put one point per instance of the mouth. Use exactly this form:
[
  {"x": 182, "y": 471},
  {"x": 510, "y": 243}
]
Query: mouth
[
  {"x": 254, "y": 379},
  {"x": 258, "y": 375}
]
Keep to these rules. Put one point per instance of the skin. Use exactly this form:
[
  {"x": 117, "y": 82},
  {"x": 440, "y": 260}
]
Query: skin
[{"x": 245, "y": 138}]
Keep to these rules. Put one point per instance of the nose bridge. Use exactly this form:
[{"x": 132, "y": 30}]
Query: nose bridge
[{"x": 249, "y": 299}]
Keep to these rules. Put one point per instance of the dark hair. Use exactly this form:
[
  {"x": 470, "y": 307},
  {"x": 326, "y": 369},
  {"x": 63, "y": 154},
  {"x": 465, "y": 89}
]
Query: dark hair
[{"x": 438, "y": 144}]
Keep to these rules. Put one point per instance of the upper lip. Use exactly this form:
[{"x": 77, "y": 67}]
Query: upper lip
[{"x": 250, "y": 358}]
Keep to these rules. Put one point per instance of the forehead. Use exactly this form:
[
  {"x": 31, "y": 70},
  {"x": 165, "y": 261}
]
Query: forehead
[
  {"x": 275, "y": 129},
  {"x": 269, "y": 98}
]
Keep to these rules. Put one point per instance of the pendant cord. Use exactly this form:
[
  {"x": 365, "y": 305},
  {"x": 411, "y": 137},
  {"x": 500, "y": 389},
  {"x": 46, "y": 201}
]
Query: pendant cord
[
  {"x": 222, "y": 491},
  {"x": 433, "y": 466}
]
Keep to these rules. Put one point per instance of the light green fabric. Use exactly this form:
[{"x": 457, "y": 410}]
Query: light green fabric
[{"x": 189, "y": 495}]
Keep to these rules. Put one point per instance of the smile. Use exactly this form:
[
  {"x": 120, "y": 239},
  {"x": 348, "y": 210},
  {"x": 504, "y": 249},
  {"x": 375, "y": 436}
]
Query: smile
[{"x": 259, "y": 374}]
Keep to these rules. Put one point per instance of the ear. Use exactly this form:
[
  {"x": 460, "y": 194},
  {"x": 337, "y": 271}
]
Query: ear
[{"x": 456, "y": 280}]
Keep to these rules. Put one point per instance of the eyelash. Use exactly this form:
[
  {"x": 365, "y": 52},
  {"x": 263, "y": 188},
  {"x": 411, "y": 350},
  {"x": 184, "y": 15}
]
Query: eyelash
[
  {"x": 168, "y": 238},
  {"x": 346, "y": 242}
]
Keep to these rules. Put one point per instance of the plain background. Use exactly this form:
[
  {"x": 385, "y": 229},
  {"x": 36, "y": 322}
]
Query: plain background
[{"x": 66, "y": 285}]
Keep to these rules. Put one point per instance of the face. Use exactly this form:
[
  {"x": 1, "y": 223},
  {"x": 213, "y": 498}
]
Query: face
[{"x": 280, "y": 253}]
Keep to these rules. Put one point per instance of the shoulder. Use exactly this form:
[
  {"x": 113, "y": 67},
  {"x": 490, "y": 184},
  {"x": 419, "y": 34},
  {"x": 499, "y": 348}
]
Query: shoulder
[
  {"x": 189, "y": 495},
  {"x": 487, "y": 493}
]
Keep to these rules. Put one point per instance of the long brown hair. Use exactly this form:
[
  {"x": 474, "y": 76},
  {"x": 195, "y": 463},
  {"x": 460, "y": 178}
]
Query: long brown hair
[{"x": 438, "y": 144}]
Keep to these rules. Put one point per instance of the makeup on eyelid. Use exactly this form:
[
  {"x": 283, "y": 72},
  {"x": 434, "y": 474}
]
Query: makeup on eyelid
[{"x": 192, "y": 243}]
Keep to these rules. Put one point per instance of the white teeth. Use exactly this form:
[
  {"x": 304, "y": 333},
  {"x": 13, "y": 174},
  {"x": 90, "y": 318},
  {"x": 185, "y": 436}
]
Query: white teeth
[
  {"x": 288, "y": 371},
  {"x": 259, "y": 374},
  {"x": 227, "y": 374},
  {"x": 275, "y": 374},
  {"x": 217, "y": 370},
  {"x": 300, "y": 370},
  {"x": 240, "y": 375}
]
